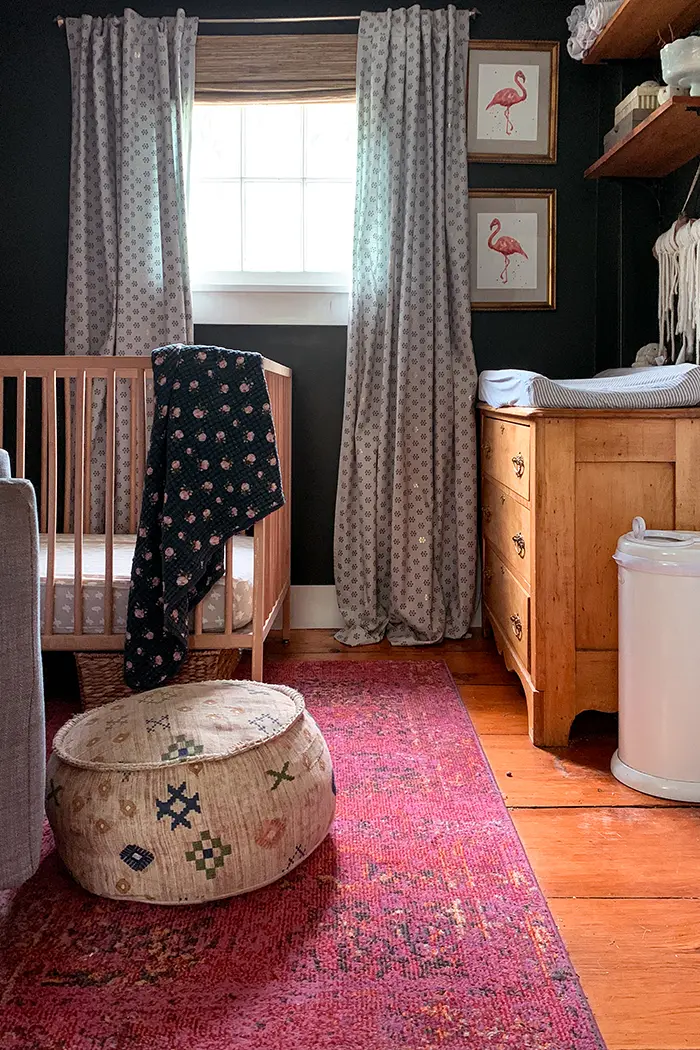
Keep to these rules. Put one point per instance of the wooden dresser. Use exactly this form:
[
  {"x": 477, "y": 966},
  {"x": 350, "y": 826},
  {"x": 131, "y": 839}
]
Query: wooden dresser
[{"x": 558, "y": 489}]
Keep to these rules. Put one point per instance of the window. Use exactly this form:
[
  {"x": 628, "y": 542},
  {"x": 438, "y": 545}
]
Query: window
[{"x": 271, "y": 209}]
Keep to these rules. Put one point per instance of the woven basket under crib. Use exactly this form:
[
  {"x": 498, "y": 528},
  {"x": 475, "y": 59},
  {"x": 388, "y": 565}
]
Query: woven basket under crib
[{"x": 101, "y": 675}]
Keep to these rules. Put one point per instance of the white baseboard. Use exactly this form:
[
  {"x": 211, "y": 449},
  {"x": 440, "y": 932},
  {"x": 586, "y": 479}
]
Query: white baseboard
[{"x": 317, "y": 607}]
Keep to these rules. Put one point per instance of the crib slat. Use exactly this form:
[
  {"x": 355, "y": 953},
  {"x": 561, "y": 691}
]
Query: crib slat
[
  {"x": 78, "y": 505},
  {"x": 21, "y": 425},
  {"x": 43, "y": 510},
  {"x": 143, "y": 416},
  {"x": 52, "y": 485},
  {"x": 133, "y": 448},
  {"x": 68, "y": 440},
  {"x": 198, "y": 618},
  {"x": 109, "y": 502},
  {"x": 89, "y": 388},
  {"x": 258, "y": 598},
  {"x": 228, "y": 588}
]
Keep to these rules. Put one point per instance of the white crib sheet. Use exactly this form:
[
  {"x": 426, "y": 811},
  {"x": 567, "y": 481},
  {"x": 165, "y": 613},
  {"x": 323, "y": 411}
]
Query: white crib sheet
[
  {"x": 670, "y": 386},
  {"x": 93, "y": 585}
]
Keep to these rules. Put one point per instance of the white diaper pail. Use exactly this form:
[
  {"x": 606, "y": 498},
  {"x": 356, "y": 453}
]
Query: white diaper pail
[{"x": 659, "y": 662}]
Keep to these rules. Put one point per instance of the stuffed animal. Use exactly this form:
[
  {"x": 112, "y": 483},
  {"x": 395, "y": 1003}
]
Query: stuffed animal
[{"x": 650, "y": 355}]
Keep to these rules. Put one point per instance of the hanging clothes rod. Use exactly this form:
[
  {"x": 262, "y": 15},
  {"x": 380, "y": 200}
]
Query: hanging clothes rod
[{"x": 60, "y": 20}]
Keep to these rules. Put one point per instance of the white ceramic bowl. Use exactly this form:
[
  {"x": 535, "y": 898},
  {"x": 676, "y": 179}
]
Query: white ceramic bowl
[{"x": 680, "y": 64}]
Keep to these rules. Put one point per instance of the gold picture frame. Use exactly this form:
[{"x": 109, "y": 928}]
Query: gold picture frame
[
  {"x": 512, "y": 235},
  {"x": 496, "y": 84}
]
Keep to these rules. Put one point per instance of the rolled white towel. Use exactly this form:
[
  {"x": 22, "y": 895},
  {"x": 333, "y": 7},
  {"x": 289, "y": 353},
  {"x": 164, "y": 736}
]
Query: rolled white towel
[
  {"x": 575, "y": 50},
  {"x": 585, "y": 36},
  {"x": 576, "y": 16},
  {"x": 599, "y": 13}
]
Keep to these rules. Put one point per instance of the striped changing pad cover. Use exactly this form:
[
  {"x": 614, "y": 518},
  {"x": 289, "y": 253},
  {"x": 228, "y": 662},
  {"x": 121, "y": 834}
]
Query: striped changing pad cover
[{"x": 668, "y": 386}]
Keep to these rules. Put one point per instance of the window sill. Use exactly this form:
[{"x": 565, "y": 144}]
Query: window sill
[{"x": 270, "y": 307}]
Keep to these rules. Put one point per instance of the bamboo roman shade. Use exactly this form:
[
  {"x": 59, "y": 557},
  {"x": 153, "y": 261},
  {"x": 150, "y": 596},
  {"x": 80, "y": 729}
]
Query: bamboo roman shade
[{"x": 309, "y": 68}]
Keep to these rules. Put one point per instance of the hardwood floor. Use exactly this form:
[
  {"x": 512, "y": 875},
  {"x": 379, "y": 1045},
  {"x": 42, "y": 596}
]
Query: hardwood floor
[{"x": 621, "y": 871}]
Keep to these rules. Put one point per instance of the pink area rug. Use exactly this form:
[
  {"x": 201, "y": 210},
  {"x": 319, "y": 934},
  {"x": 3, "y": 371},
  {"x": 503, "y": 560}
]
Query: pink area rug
[{"x": 417, "y": 925}]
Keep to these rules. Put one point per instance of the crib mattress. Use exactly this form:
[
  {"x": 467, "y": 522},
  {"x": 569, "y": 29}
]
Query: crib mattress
[
  {"x": 670, "y": 386},
  {"x": 94, "y": 592}
]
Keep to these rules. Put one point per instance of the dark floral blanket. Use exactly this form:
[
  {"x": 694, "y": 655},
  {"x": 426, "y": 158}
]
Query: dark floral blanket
[{"x": 212, "y": 471}]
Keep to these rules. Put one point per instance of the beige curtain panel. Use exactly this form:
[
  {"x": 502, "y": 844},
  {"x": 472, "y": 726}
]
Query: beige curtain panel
[{"x": 309, "y": 68}]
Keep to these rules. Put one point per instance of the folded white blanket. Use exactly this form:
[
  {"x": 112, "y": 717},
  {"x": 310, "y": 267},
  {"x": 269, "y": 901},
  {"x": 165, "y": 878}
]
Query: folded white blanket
[{"x": 673, "y": 386}]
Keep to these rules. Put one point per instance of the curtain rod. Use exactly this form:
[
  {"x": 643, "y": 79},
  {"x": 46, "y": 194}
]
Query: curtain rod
[{"x": 60, "y": 20}]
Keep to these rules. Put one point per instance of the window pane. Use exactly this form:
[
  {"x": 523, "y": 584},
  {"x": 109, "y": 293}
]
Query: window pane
[
  {"x": 331, "y": 132},
  {"x": 329, "y": 211},
  {"x": 272, "y": 141},
  {"x": 214, "y": 226},
  {"x": 216, "y": 142},
  {"x": 272, "y": 226}
]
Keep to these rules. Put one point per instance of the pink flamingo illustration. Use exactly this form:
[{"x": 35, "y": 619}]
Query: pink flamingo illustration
[
  {"x": 509, "y": 97},
  {"x": 505, "y": 246}
]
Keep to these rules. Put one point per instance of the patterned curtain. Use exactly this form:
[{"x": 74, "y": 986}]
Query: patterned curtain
[
  {"x": 405, "y": 532},
  {"x": 128, "y": 278}
]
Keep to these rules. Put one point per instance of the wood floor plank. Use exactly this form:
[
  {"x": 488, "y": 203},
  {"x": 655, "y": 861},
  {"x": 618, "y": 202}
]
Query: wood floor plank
[
  {"x": 468, "y": 667},
  {"x": 499, "y": 709},
  {"x": 613, "y": 852},
  {"x": 575, "y": 776},
  {"x": 639, "y": 963},
  {"x": 324, "y": 641},
  {"x": 479, "y": 668}
]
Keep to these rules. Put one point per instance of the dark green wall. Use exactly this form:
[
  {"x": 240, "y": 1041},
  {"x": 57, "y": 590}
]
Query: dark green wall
[{"x": 35, "y": 129}]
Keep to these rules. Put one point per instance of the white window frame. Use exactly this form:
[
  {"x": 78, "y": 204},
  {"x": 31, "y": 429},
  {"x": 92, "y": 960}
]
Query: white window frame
[{"x": 271, "y": 297}]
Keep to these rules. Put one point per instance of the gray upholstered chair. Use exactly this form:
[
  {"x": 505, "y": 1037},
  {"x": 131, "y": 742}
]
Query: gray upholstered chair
[{"x": 22, "y": 733}]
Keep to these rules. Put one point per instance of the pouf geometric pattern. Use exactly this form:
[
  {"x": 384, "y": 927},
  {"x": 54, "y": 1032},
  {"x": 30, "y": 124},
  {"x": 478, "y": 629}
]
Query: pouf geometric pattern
[{"x": 191, "y": 792}]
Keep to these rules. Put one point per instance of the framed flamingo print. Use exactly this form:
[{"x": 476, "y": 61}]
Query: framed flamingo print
[
  {"x": 512, "y": 249},
  {"x": 512, "y": 101}
]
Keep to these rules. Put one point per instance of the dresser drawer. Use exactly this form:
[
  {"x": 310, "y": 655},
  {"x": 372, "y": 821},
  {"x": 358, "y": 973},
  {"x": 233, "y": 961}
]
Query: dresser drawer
[
  {"x": 508, "y": 603},
  {"x": 506, "y": 526},
  {"x": 505, "y": 453}
]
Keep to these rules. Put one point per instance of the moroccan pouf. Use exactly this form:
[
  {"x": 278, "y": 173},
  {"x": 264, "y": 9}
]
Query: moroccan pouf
[{"x": 191, "y": 792}]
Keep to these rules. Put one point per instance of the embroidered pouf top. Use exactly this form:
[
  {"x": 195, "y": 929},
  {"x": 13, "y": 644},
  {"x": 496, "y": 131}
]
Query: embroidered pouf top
[{"x": 190, "y": 792}]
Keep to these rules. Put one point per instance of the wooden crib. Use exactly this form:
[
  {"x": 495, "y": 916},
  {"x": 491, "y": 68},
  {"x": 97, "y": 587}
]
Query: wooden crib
[{"x": 47, "y": 426}]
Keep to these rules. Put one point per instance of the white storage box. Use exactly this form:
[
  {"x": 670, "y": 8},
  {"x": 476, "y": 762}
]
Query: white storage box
[
  {"x": 645, "y": 96},
  {"x": 659, "y": 662}
]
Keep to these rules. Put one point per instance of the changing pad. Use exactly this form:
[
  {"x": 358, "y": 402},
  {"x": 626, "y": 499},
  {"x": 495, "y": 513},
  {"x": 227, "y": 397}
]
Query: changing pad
[{"x": 669, "y": 386}]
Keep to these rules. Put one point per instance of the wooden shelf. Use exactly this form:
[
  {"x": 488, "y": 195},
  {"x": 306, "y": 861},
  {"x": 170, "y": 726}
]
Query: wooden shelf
[
  {"x": 667, "y": 140},
  {"x": 634, "y": 30}
]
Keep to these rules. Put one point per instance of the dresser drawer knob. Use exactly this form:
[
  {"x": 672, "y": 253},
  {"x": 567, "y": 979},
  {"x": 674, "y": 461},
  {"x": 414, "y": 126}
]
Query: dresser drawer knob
[
  {"x": 519, "y": 542},
  {"x": 503, "y": 499},
  {"x": 517, "y": 625},
  {"x": 518, "y": 465},
  {"x": 487, "y": 514},
  {"x": 486, "y": 450}
]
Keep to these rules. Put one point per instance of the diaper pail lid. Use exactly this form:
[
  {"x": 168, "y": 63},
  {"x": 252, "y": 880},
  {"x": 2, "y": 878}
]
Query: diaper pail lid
[
  {"x": 178, "y": 725},
  {"x": 659, "y": 550}
]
